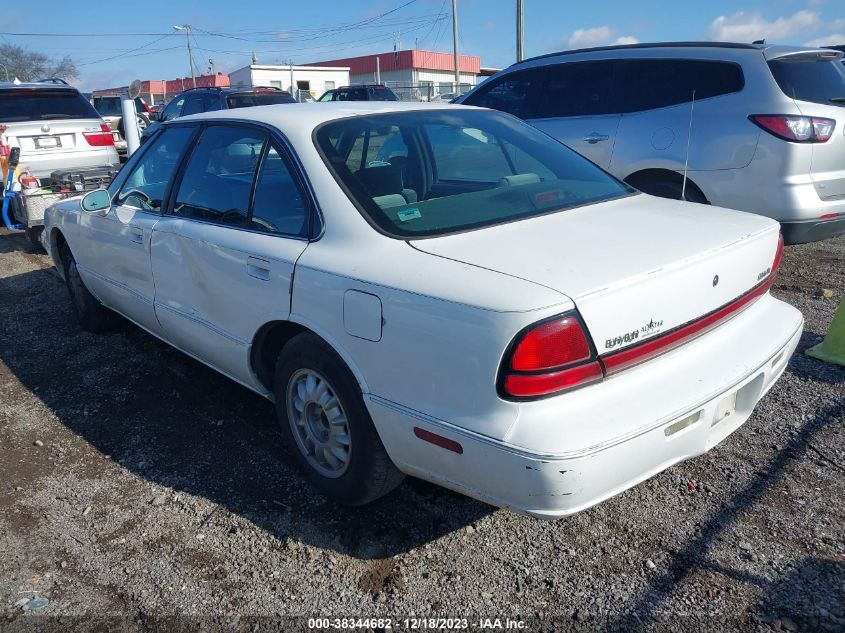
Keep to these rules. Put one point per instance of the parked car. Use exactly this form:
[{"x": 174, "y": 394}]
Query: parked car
[
  {"x": 765, "y": 134},
  {"x": 55, "y": 127},
  {"x": 111, "y": 109},
  {"x": 524, "y": 328},
  {"x": 445, "y": 97},
  {"x": 196, "y": 100},
  {"x": 375, "y": 92}
]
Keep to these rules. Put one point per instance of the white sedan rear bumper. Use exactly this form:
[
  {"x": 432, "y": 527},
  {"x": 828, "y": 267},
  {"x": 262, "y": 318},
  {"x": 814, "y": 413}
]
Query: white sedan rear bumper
[{"x": 567, "y": 453}]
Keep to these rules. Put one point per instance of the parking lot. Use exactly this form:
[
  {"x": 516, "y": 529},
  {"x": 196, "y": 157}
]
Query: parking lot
[{"x": 139, "y": 484}]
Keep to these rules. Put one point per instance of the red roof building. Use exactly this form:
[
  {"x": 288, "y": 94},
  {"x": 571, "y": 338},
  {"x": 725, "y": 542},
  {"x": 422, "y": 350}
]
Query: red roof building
[
  {"x": 410, "y": 67},
  {"x": 161, "y": 90}
]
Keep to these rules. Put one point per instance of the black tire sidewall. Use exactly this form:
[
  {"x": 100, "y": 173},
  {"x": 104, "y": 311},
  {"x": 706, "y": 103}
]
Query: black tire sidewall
[{"x": 364, "y": 477}]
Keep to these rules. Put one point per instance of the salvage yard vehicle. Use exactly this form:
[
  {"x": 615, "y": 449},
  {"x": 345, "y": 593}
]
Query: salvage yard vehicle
[
  {"x": 111, "y": 109},
  {"x": 364, "y": 92},
  {"x": 55, "y": 127},
  {"x": 196, "y": 100},
  {"x": 764, "y": 135},
  {"x": 58, "y": 131},
  {"x": 439, "y": 291}
]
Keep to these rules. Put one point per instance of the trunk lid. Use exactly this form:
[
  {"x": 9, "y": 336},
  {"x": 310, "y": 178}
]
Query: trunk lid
[
  {"x": 815, "y": 80},
  {"x": 635, "y": 267}
]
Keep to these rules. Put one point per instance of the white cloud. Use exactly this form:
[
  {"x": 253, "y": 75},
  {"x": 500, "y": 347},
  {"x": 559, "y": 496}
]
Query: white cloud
[
  {"x": 828, "y": 40},
  {"x": 747, "y": 27},
  {"x": 598, "y": 36}
]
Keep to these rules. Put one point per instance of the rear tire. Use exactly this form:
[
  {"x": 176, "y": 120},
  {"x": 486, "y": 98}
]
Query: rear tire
[
  {"x": 670, "y": 188},
  {"x": 91, "y": 314},
  {"x": 33, "y": 234},
  {"x": 327, "y": 426}
]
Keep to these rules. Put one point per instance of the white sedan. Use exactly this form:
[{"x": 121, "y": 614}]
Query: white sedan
[{"x": 439, "y": 291}]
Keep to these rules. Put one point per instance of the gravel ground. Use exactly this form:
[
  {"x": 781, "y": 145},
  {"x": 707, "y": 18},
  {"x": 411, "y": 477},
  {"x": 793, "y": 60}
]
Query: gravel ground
[{"x": 136, "y": 484}]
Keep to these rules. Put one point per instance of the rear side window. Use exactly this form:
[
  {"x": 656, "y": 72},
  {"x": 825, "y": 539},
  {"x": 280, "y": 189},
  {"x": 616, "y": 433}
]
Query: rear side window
[
  {"x": 658, "y": 83},
  {"x": 515, "y": 94},
  {"x": 278, "y": 206},
  {"x": 44, "y": 105},
  {"x": 218, "y": 178},
  {"x": 811, "y": 80},
  {"x": 578, "y": 89},
  {"x": 248, "y": 99},
  {"x": 173, "y": 109}
]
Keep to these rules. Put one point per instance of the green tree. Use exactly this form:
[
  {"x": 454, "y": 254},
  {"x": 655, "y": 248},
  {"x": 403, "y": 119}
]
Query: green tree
[{"x": 29, "y": 65}]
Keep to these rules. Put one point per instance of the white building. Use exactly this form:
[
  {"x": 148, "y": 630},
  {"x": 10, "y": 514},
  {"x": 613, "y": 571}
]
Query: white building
[{"x": 313, "y": 79}]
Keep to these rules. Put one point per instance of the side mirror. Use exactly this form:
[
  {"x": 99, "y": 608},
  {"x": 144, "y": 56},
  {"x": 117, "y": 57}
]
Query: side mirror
[{"x": 98, "y": 201}]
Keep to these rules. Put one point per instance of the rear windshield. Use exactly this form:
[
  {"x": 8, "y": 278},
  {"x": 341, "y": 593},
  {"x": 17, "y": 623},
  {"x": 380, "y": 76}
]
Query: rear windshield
[
  {"x": 247, "y": 99},
  {"x": 44, "y": 105},
  {"x": 422, "y": 174},
  {"x": 810, "y": 80}
]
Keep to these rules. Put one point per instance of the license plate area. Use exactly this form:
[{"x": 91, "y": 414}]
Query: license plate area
[{"x": 47, "y": 142}]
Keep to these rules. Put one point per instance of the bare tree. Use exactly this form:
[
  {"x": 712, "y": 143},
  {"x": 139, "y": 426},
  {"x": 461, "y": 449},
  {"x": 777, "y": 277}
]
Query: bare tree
[{"x": 29, "y": 65}]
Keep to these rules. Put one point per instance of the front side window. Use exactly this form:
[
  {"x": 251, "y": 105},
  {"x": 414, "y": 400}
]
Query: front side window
[
  {"x": 146, "y": 184},
  {"x": 515, "y": 94},
  {"x": 577, "y": 89},
  {"x": 173, "y": 109},
  {"x": 456, "y": 170},
  {"x": 218, "y": 178},
  {"x": 193, "y": 104}
]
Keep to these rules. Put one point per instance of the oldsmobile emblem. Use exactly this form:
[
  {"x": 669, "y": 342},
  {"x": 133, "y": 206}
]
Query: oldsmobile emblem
[{"x": 715, "y": 280}]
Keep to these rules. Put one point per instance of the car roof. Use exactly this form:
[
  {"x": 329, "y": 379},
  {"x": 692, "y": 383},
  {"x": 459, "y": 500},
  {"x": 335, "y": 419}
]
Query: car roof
[
  {"x": 33, "y": 85},
  {"x": 310, "y": 115},
  {"x": 768, "y": 51}
]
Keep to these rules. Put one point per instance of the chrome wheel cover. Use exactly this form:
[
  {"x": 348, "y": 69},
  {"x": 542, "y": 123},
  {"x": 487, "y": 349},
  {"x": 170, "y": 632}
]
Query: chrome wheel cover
[{"x": 318, "y": 423}]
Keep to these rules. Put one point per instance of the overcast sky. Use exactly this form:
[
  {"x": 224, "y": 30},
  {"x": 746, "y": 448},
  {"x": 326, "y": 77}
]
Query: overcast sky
[{"x": 116, "y": 42}]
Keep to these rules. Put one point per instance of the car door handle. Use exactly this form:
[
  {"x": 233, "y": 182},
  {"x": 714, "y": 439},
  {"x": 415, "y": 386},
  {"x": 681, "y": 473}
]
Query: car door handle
[
  {"x": 136, "y": 234},
  {"x": 258, "y": 268},
  {"x": 595, "y": 137}
]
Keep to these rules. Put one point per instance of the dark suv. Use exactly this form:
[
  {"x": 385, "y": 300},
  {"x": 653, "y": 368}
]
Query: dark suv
[
  {"x": 375, "y": 92},
  {"x": 196, "y": 100}
]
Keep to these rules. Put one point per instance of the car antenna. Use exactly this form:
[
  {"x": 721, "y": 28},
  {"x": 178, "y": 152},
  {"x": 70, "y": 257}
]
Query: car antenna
[{"x": 689, "y": 142}]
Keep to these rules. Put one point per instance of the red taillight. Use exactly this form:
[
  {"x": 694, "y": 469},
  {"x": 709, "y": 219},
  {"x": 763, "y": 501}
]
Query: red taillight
[
  {"x": 99, "y": 139},
  {"x": 549, "y": 357},
  {"x": 796, "y": 129},
  {"x": 551, "y": 344}
]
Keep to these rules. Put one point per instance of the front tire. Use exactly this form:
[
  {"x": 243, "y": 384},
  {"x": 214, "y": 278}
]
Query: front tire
[
  {"x": 327, "y": 426},
  {"x": 90, "y": 313}
]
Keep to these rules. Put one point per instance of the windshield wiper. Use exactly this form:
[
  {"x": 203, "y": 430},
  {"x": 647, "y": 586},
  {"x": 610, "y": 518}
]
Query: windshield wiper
[{"x": 837, "y": 99}]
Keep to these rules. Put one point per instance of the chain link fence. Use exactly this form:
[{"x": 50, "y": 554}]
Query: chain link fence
[{"x": 427, "y": 90}]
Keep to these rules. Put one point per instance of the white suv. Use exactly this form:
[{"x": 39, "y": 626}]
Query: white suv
[
  {"x": 765, "y": 132},
  {"x": 55, "y": 127}
]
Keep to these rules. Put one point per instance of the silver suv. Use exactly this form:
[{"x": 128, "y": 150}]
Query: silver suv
[
  {"x": 55, "y": 127},
  {"x": 764, "y": 133}
]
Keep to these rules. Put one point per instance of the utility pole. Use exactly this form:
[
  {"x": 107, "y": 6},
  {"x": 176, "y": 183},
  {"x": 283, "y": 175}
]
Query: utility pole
[
  {"x": 378, "y": 71},
  {"x": 520, "y": 29},
  {"x": 455, "y": 42},
  {"x": 292, "y": 87},
  {"x": 187, "y": 29}
]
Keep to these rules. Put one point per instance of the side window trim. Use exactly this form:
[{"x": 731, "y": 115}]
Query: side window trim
[
  {"x": 176, "y": 181},
  {"x": 140, "y": 153},
  {"x": 285, "y": 152}
]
